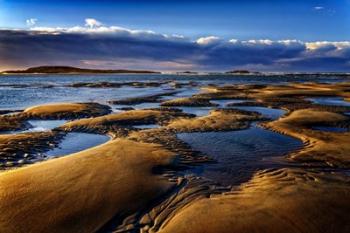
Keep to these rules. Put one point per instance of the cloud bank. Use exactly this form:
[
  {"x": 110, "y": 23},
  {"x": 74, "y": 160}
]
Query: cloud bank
[{"x": 99, "y": 46}]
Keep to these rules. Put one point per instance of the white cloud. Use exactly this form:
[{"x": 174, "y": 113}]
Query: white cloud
[
  {"x": 120, "y": 31},
  {"x": 31, "y": 22},
  {"x": 318, "y": 8},
  {"x": 207, "y": 40},
  {"x": 233, "y": 41},
  {"x": 289, "y": 42},
  {"x": 112, "y": 30},
  {"x": 260, "y": 42},
  {"x": 91, "y": 23},
  {"x": 320, "y": 44}
]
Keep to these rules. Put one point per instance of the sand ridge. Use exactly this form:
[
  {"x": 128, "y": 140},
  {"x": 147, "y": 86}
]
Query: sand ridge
[
  {"x": 81, "y": 192},
  {"x": 118, "y": 123},
  {"x": 66, "y": 110},
  {"x": 287, "y": 200},
  {"x": 329, "y": 147}
]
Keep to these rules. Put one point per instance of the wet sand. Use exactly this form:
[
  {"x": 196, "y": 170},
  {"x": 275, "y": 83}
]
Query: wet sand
[
  {"x": 278, "y": 201},
  {"x": 81, "y": 192},
  {"x": 328, "y": 147},
  {"x": 136, "y": 182}
]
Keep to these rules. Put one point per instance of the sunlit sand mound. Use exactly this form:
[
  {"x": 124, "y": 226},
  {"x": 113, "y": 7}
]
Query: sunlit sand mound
[
  {"x": 290, "y": 90},
  {"x": 82, "y": 191},
  {"x": 66, "y": 110},
  {"x": 329, "y": 147},
  {"x": 52, "y": 111},
  {"x": 227, "y": 92},
  {"x": 304, "y": 89},
  {"x": 273, "y": 202},
  {"x": 123, "y": 119},
  {"x": 188, "y": 101},
  {"x": 291, "y": 97},
  {"x": 217, "y": 120}
]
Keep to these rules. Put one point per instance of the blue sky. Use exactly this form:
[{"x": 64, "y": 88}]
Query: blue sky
[
  {"x": 259, "y": 19},
  {"x": 261, "y": 35}
]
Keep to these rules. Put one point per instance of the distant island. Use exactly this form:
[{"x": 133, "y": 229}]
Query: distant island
[
  {"x": 74, "y": 70},
  {"x": 242, "y": 72}
]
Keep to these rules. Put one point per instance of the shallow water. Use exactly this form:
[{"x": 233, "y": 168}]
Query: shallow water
[
  {"x": 44, "y": 125},
  {"x": 149, "y": 126},
  {"x": 330, "y": 101},
  {"x": 75, "y": 142},
  {"x": 198, "y": 111},
  {"x": 20, "y": 97},
  {"x": 137, "y": 106},
  {"x": 39, "y": 126},
  {"x": 239, "y": 153},
  {"x": 223, "y": 103},
  {"x": 271, "y": 113}
]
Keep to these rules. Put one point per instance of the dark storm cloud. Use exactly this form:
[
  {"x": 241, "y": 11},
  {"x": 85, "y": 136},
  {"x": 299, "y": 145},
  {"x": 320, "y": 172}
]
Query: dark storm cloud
[{"x": 115, "y": 47}]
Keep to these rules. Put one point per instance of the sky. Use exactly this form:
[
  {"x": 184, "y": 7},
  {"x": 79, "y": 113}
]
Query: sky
[{"x": 166, "y": 35}]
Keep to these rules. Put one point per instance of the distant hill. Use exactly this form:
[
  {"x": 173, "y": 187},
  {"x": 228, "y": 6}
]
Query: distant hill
[
  {"x": 74, "y": 70},
  {"x": 238, "y": 72}
]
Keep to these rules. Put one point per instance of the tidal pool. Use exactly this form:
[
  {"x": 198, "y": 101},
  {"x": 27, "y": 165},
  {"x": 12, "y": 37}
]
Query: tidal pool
[
  {"x": 271, "y": 113},
  {"x": 135, "y": 106},
  {"x": 337, "y": 101},
  {"x": 75, "y": 142},
  {"x": 223, "y": 103},
  {"x": 239, "y": 153},
  {"x": 44, "y": 125},
  {"x": 39, "y": 126},
  {"x": 198, "y": 111}
]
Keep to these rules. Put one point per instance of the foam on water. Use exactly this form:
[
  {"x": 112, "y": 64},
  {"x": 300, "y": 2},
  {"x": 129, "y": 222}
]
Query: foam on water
[
  {"x": 44, "y": 125},
  {"x": 39, "y": 126}
]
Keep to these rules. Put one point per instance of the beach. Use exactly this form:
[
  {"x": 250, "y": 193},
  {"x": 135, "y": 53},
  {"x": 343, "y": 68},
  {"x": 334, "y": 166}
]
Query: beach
[{"x": 171, "y": 153}]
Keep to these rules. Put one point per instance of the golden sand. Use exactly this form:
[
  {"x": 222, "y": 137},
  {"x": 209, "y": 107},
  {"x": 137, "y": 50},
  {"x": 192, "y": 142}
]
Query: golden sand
[
  {"x": 329, "y": 147},
  {"x": 81, "y": 192},
  {"x": 63, "y": 110},
  {"x": 287, "y": 200},
  {"x": 217, "y": 120}
]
